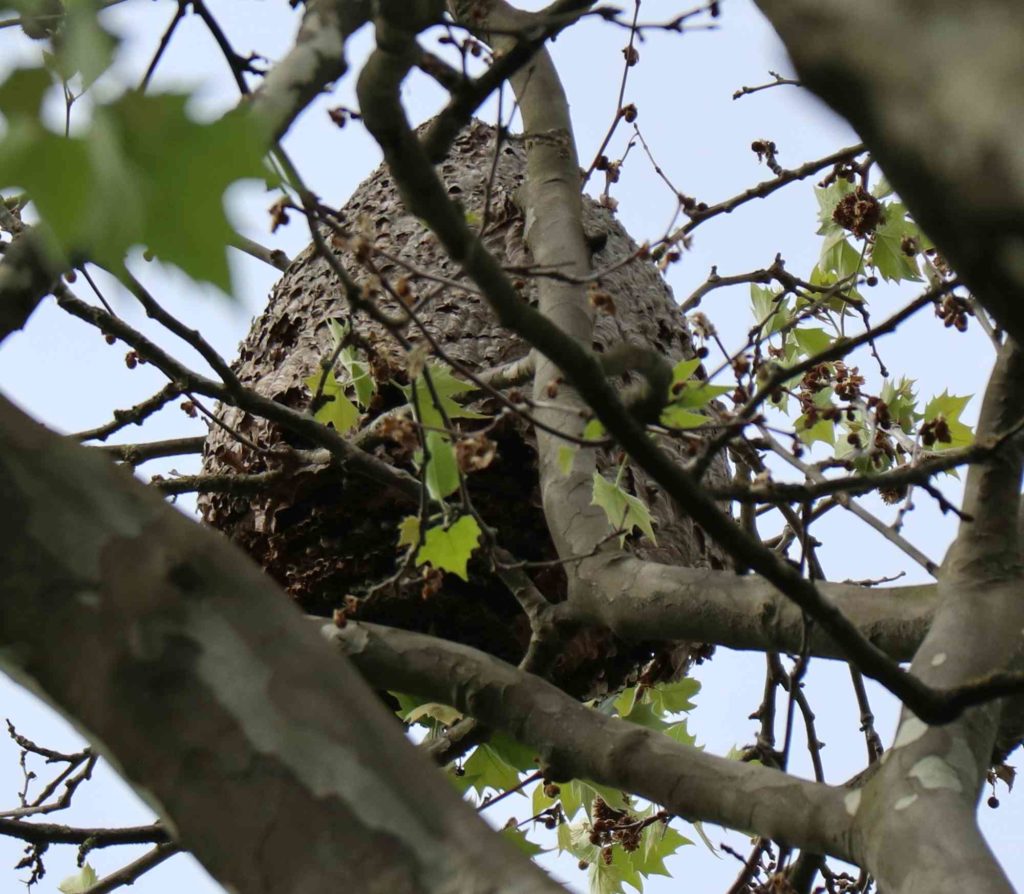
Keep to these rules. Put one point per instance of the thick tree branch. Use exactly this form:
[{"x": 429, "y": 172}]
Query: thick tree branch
[
  {"x": 918, "y": 810},
  {"x": 574, "y": 741},
  {"x": 425, "y": 196},
  {"x": 316, "y": 58},
  {"x": 27, "y": 274},
  {"x": 936, "y": 91},
  {"x": 297, "y": 777}
]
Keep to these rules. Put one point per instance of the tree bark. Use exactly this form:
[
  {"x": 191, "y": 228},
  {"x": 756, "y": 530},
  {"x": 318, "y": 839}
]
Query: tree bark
[{"x": 265, "y": 756}]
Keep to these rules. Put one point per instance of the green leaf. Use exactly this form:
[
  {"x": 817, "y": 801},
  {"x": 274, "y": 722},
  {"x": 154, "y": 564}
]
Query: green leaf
[
  {"x": 624, "y": 511},
  {"x": 660, "y": 841},
  {"x": 21, "y": 95},
  {"x": 85, "y": 48},
  {"x": 644, "y": 715},
  {"x": 447, "y": 388},
  {"x": 823, "y": 430},
  {"x": 699, "y": 827},
  {"x": 449, "y": 549},
  {"x": 680, "y": 733},
  {"x": 573, "y": 797},
  {"x": 521, "y": 842},
  {"x": 699, "y": 394},
  {"x": 442, "y": 472},
  {"x": 409, "y": 531},
  {"x": 675, "y": 416},
  {"x": 828, "y": 198},
  {"x": 887, "y": 248},
  {"x": 624, "y": 703},
  {"x": 184, "y": 169},
  {"x": 80, "y": 882},
  {"x": 359, "y": 376},
  {"x": 684, "y": 369},
  {"x": 540, "y": 801},
  {"x": 406, "y": 703},
  {"x": 838, "y": 256},
  {"x": 337, "y": 410},
  {"x": 593, "y": 430},
  {"x": 902, "y": 402},
  {"x": 566, "y": 458},
  {"x": 771, "y": 311},
  {"x": 512, "y": 752},
  {"x": 950, "y": 407},
  {"x": 812, "y": 341},
  {"x": 671, "y": 698},
  {"x": 490, "y": 771},
  {"x": 612, "y": 797},
  {"x": 168, "y": 174},
  {"x": 609, "y": 878}
]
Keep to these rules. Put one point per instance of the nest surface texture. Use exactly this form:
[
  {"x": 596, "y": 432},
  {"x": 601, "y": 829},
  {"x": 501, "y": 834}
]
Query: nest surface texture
[{"x": 327, "y": 534}]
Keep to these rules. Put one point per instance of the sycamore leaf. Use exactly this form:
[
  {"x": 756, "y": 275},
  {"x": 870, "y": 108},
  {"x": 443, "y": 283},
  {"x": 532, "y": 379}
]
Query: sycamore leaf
[
  {"x": 443, "y": 714},
  {"x": 85, "y": 48},
  {"x": 887, "y": 253},
  {"x": 838, "y": 256},
  {"x": 699, "y": 827},
  {"x": 512, "y": 752},
  {"x": 643, "y": 714},
  {"x": 671, "y": 698},
  {"x": 680, "y": 733},
  {"x": 409, "y": 531},
  {"x": 609, "y": 878},
  {"x": 612, "y": 797},
  {"x": 660, "y": 841},
  {"x": 489, "y": 770},
  {"x": 812, "y": 341},
  {"x": 359, "y": 376},
  {"x": 823, "y": 430},
  {"x": 167, "y": 172},
  {"x": 624, "y": 702},
  {"x": 21, "y": 95},
  {"x": 336, "y": 410},
  {"x": 676, "y": 416},
  {"x": 901, "y": 400},
  {"x": 539, "y": 800},
  {"x": 828, "y": 198},
  {"x": 771, "y": 310},
  {"x": 442, "y": 472},
  {"x": 521, "y": 842},
  {"x": 449, "y": 549},
  {"x": 949, "y": 407},
  {"x": 882, "y": 188},
  {"x": 406, "y": 703},
  {"x": 80, "y": 882},
  {"x": 684, "y": 370},
  {"x": 624, "y": 511},
  {"x": 447, "y": 388},
  {"x": 698, "y": 394},
  {"x": 593, "y": 430}
]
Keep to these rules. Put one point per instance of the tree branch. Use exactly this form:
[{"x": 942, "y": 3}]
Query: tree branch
[
  {"x": 287, "y": 753},
  {"x": 574, "y": 741}
]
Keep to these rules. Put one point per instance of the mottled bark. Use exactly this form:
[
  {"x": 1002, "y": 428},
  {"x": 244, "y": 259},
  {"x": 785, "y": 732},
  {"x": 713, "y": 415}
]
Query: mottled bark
[
  {"x": 268, "y": 759},
  {"x": 576, "y": 742}
]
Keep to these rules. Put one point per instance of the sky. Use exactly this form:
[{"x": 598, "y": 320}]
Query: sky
[{"x": 700, "y": 137}]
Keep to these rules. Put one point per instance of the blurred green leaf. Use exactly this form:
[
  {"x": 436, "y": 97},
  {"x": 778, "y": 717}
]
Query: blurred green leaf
[{"x": 442, "y": 472}]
